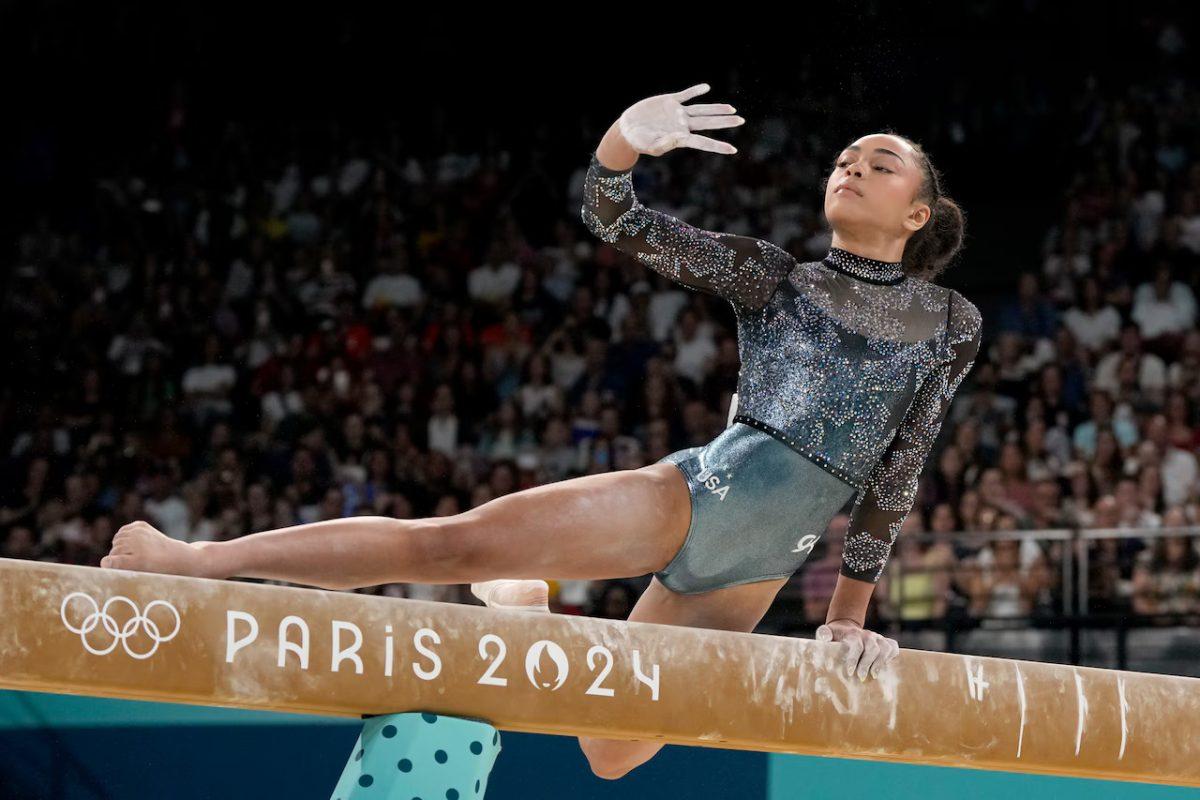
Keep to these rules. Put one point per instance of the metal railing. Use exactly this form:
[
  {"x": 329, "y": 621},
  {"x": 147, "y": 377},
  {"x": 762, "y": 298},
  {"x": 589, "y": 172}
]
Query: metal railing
[{"x": 1065, "y": 628}]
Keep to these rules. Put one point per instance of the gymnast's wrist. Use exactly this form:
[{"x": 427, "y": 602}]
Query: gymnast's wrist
[
  {"x": 210, "y": 558},
  {"x": 614, "y": 153},
  {"x": 859, "y": 623}
]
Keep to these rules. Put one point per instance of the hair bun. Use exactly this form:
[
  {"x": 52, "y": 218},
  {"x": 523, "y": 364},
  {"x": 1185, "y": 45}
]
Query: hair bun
[
  {"x": 935, "y": 245},
  {"x": 930, "y": 249}
]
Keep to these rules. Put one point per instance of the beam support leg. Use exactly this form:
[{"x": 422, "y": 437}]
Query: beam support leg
[{"x": 418, "y": 754}]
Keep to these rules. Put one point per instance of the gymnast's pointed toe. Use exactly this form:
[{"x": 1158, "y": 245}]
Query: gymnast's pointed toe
[{"x": 140, "y": 547}]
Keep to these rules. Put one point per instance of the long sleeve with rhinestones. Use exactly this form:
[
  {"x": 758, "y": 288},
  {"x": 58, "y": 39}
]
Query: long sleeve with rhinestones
[
  {"x": 741, "y": 269},
  {"x": 891, "y": 487}
]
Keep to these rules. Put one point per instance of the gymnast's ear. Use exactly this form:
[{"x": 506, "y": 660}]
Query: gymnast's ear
[{"x": 918, "y": 215}]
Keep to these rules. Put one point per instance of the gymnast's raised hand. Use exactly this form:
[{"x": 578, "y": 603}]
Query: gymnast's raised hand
[
  {"x": 661, "y": 123},
  {"x": 865, "y": 651}
]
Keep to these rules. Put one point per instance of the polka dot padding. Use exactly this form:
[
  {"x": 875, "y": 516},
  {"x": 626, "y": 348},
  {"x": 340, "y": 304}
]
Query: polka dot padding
[{"x": 419, "y": 755}]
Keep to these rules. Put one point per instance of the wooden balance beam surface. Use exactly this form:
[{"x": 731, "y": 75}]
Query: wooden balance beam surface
[{"x": 108, "y": 633}]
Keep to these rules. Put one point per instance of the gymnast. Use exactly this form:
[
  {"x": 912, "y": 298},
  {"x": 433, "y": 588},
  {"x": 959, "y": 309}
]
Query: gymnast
[{"x": 848, "y": 367}]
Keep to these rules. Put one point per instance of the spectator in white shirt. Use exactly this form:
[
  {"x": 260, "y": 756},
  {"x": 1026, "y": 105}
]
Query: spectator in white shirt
[
  {"x": 129, "y": 350},
  {"x": 266, "y": 340},
  {"x": 1189, "y": 222},
  {"x": 1164, "y": 308},
  {"x": 321, "y": 291},
  {"x": 166, "y": 509},
  {"x": 1184, "y": 373},
  {"x": 1131, "y": 506},
  {"x": 282, "y": 401},
  {"x": 208, "y": 386},
  {"x": 1180, "y": 469},
  {"x": 1066, "y": 263},
  {"x": 1147, "y": 215},
  {"x": 539, "y": 398},
  {"x": 496, "y": 279},
  {"x": 694, "y": 347},
  {"x": 442, "y": 429},
  {"x": 393, "y": 286},
  {"x": 665, "y": 304},
  {"x": 1094, "y": 324},
  {"x": 1151, "y": 371}
]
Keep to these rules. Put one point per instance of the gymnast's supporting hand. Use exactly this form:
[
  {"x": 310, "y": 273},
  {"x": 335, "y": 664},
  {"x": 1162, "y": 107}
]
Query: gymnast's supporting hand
[{"x": 870, "y": 651}]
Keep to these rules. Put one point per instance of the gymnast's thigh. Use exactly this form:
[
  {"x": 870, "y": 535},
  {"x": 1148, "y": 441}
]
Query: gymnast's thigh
[
  {"x": 736, "y": 608},
  {"x": 607, "y": 525}
]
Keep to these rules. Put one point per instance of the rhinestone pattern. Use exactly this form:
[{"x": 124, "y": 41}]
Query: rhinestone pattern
[
  {"x": 884, "y": 272},
  {"x": 741, "y": 269},
  {"x": 848, "y": 361}
]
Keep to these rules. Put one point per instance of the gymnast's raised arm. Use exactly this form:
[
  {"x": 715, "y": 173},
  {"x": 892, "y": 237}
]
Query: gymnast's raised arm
[{"x": 740, "y": 269}]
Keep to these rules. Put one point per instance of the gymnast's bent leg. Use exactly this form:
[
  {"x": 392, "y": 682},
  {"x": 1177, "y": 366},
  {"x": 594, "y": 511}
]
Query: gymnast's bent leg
[
  {"x": 736, "y": 608},
  {"x": 610, "y": 525}
]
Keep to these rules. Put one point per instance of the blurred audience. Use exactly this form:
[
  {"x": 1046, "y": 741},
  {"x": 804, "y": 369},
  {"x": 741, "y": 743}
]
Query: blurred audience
[{"x": 249, "y": 334}]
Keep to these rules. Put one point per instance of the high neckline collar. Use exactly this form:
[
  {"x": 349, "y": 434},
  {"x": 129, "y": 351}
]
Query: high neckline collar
[{"x": 865, "y": 269}]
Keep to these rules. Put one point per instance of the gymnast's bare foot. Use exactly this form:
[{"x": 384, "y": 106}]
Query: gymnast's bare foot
[
  {"x": 514, "y": 595},
  {"x": 139, "y": 546}
]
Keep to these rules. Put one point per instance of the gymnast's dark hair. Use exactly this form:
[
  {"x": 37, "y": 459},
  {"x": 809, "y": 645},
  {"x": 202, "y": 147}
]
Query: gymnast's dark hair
[{"x": 931, "y": 249}]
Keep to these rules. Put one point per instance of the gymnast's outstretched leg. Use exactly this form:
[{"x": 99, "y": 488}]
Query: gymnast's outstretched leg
[{"x": 610, "y": 525}]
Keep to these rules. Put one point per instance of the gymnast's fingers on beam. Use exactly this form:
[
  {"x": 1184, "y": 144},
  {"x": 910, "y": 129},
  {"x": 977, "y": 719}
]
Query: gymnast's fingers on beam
[
  {"x": 870, "y": 655},
  {"x": 854, "y": 648},
  {"x": 890, "y": 650}
]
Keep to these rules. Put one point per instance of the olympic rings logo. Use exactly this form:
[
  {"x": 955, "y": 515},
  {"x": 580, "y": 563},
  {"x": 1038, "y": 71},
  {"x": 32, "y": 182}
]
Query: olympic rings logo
[{"x": 121, "y": 633}]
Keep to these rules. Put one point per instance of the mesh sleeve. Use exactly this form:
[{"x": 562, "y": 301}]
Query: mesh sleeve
[
  {"x": 740, "y": 269},
  {"x": 891, "y": 487}
]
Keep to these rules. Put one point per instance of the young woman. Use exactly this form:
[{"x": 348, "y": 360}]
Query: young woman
[{"x": 848, "y": 368}]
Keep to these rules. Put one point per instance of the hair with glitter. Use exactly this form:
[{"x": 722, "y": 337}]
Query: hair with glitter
[{"x": 931, "y": 249}]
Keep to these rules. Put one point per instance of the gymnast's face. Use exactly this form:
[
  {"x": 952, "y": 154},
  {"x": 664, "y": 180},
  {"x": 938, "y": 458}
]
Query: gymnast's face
[{"x": 873, "y": 189}]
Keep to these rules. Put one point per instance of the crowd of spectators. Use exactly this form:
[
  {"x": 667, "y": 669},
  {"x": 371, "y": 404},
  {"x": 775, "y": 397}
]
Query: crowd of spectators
[
  {"x": 250, "y": 336},
  {"x": 1082, "y": 412}
]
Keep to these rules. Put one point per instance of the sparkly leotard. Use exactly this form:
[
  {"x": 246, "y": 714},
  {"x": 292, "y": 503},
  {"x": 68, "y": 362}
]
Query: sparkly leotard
[{"x": 848, "y": 361}]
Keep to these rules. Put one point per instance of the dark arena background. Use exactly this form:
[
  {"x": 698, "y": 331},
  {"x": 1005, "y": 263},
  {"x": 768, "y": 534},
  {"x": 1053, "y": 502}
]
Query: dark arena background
[{"x": 271, "y": 265}]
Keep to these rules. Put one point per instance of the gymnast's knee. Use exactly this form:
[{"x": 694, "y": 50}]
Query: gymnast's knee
[
  {"x": 448, "y": 546},
  {"x": 606, "y": 761}
]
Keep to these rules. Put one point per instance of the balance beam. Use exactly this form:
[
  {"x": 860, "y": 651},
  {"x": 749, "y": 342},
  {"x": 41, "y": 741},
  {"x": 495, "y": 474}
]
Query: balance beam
[{"x": 141, "y": 636}]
